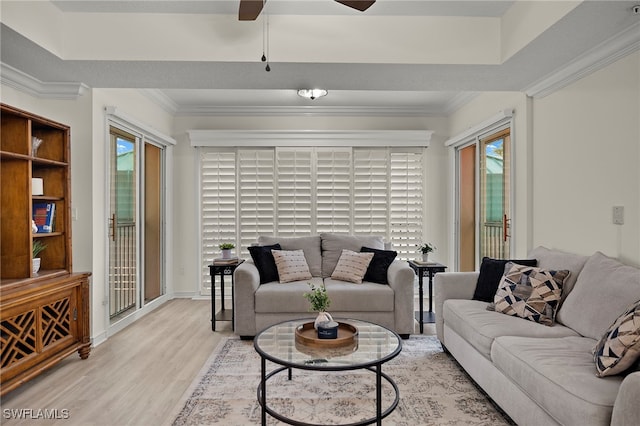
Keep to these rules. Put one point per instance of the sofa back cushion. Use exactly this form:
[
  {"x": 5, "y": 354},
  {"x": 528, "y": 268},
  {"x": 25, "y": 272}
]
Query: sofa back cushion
[
  {"x": 333, "y": 244},
  {"x": 309, "y": 245},
  {"x": 604, "y": 290},
  {"x": 557, "y": 260}
]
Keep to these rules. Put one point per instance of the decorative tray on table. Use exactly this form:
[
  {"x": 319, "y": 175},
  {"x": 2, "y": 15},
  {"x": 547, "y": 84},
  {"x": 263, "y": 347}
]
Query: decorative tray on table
[{"x": 307, "y": 335}]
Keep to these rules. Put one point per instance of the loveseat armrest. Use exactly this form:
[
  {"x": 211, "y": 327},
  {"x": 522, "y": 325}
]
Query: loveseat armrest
[
  {"x": 401, "y": 277},
  {"x": 451, "y": 285},
  {"x": 246, "y": 281},
  {"x": 626, "y": 410}
]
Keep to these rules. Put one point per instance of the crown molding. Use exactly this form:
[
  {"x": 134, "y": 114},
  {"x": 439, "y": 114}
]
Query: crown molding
[
  {"x": 600, "y": 56},
  {"x": 162, "y": 100},
  {"x": 351, "y": 111},
  {"x": 342, "y": 138},
  {"x": 19, "y": 80}
]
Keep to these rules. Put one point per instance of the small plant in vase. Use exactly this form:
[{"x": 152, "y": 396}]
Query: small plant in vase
[
  {"x": 319, "y": 300},
  {"x": 426, "y": 248},
  {"x": 36, "y": 249},
  {"x": 226, "y": 250}
]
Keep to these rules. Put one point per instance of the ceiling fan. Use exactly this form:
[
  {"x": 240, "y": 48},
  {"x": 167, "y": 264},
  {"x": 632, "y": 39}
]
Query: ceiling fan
[{"x": 250, "y": 9}]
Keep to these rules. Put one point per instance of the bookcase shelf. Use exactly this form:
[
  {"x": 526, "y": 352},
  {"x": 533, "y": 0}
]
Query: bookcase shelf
[{"x": 44, "y": 315}]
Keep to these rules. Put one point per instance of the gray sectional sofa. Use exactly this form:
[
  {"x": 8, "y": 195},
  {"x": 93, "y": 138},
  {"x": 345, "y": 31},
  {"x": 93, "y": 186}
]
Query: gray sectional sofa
[
  {"x": 258, "y": 306},
  {"x": 543, "y": 375}
]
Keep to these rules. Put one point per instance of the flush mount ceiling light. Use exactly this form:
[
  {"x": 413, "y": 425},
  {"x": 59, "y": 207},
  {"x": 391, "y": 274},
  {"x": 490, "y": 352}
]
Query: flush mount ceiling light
[{"x": 312, "y": 93}]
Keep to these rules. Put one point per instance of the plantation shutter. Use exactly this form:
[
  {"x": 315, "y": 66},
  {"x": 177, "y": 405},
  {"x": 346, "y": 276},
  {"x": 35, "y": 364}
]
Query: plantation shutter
[
  {"x": 333, "y": 190},
  {"x": 256, "y": 196},
  {"x": 406, "y": 201},
  {"x": 294, "y": 188},
  {"x": 371, "y": 191},
  {"x": 218, "y": 205}
]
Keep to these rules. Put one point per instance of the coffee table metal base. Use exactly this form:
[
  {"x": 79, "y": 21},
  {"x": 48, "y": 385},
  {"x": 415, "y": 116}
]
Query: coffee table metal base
[{"x": 262, "y": 397}]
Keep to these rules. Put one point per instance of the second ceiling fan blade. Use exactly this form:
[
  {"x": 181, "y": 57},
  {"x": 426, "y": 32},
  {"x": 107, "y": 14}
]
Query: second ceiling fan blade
[
  {"x": 360, "y": 5},
  {"x": 250, "y": 9}
]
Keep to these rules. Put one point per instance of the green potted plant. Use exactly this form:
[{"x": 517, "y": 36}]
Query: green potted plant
[
  {"x": 319, "y": 300},
  {"x": 226, "y": 250},
  {"x": 425, "y": 249},
  {"x": 36, "y": 249}
]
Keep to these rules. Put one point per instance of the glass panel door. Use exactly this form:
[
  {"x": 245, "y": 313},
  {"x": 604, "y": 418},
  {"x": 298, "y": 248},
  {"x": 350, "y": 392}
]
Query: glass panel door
[{"x": 123, "y": 226}]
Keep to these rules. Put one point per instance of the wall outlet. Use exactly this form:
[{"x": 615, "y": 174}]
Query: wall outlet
[{"x": 618, "y": 215}]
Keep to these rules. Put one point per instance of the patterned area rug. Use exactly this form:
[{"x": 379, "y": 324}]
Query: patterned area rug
[{"x": 434, "y": 390}]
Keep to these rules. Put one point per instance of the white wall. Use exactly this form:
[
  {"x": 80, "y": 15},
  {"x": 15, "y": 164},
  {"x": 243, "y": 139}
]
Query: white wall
[
  {"x": 187, "y": 263},
  {"x": 587, "y": 160},
  {"x": 577, "y": 154}
]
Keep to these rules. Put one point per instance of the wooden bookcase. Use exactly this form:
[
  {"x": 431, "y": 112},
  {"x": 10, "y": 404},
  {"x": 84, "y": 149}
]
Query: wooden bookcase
[{"x": 44, "y": 315}]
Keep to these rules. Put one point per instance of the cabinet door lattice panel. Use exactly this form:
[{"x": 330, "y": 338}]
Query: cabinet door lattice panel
[
  {"x": 18, "y": 337},
  {"x": 56, "y": 321}
]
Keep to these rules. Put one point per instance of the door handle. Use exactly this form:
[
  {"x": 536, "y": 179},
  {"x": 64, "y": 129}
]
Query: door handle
[
  {"x": 113, "y": 226},
  {"x": 505, "y": 227}
]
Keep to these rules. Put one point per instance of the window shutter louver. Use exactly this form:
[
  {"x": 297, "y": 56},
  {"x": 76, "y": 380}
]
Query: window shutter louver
[
  {"x": 406, "y": 206},
  {"x": 294, "y": 199},
  {"x": 371, "y": 191},
  {"x": 218, "y": 198},
  {"x": 333, "y": 190},
  {"x": 256, "y": 196}
]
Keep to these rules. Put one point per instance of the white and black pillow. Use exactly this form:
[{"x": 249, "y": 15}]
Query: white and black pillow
[
  {"x": 292, "y": 265},
  {"x": 619, "y": 348},
  {"x": 491, "y": 272},
  {"x": 352, "y": 266},
  {"x": 377, "y": 270},
  {"x": 265, "y": 263}
]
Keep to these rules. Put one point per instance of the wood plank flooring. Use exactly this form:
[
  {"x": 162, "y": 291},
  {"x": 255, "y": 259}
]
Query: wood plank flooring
[{"x": 135, "y": 378}]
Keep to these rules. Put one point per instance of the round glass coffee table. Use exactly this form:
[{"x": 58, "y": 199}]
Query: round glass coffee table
[{"x": 372, "y": 347}]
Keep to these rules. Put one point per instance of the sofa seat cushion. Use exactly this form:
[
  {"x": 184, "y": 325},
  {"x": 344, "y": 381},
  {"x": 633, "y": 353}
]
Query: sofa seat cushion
[
  {"x": 289, "y": 297},
  {"x": 364, "y": 297},
  {"x": 559, "y": 375},
  {"x": 478, "y": 326}
]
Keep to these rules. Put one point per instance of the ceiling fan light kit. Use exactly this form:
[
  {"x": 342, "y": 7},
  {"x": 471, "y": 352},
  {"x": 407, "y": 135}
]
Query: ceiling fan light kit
[
  {"x": 312, "y": 93},
  {"x": 250, "y": 9}
]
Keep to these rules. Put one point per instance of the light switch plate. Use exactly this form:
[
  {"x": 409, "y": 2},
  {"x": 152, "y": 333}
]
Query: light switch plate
[{"x": 618, "y": 215}]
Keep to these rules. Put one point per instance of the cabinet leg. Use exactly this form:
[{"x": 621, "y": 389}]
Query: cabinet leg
[{"x": 84, "y": 351}]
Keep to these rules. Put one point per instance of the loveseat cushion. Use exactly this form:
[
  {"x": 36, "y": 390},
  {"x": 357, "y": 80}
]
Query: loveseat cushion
[
  {"x": 491, "y": 271},
  {"x": 333, "y": 244},
  {"x": 377, "y": 270},
  {"x": 310, "y": 246},
  {"x": 604, "y": 290},
  {"x": 471, "y": 320},
  {"x": 556, "y": 259},
  {"x": 264, "y": 261},
  {"x": 365, "y": 297},
  {"x": 559, "y": 374},
  {"x": 274, "y": 297}
]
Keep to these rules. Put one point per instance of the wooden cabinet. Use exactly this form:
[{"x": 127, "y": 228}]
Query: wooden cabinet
[{"x": 44, "y": 315}]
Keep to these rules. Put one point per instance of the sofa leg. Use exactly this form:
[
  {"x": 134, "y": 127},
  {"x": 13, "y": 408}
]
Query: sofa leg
[
  {"x": 444, "y": 348},
  {"x": 404, "y": 336},
  {"x": 246, "y": 337}
]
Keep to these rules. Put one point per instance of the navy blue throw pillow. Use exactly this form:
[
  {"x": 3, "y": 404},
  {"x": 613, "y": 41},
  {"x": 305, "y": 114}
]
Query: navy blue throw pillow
[
  {"x": 377, "y": 270},
  {"x": 491, "y": 271},
  {"x": 264, "y": 261}
]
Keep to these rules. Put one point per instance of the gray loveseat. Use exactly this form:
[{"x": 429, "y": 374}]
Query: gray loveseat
[
  {"x": 543, "y": 375},
  {"x": 258, "y": 306}
]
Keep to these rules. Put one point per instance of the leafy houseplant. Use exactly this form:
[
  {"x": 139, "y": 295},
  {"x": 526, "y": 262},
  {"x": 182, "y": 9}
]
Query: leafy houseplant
[
  {"x": 319, "y": 300},
  {"x": 36, "y": 249},
  {"x": 426, "y": 248},
  {"x": 226, "y": 250}
]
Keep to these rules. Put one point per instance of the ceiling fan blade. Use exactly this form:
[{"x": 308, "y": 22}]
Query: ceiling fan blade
[
  {"x": 360, "y": 5},
  {"x": 250, "y": 9}
]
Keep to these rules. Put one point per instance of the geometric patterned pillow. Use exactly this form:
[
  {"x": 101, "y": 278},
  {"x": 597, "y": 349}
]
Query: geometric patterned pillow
[
  {"x": 530, "y": 293},
  {"x": 352, "y": 266},
  {"x": 292, "y": 265},
  {"x": 619, "y": 348}
]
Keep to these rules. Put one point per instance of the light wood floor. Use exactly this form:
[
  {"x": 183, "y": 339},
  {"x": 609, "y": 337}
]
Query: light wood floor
[{"x": 137, "y": 377}]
